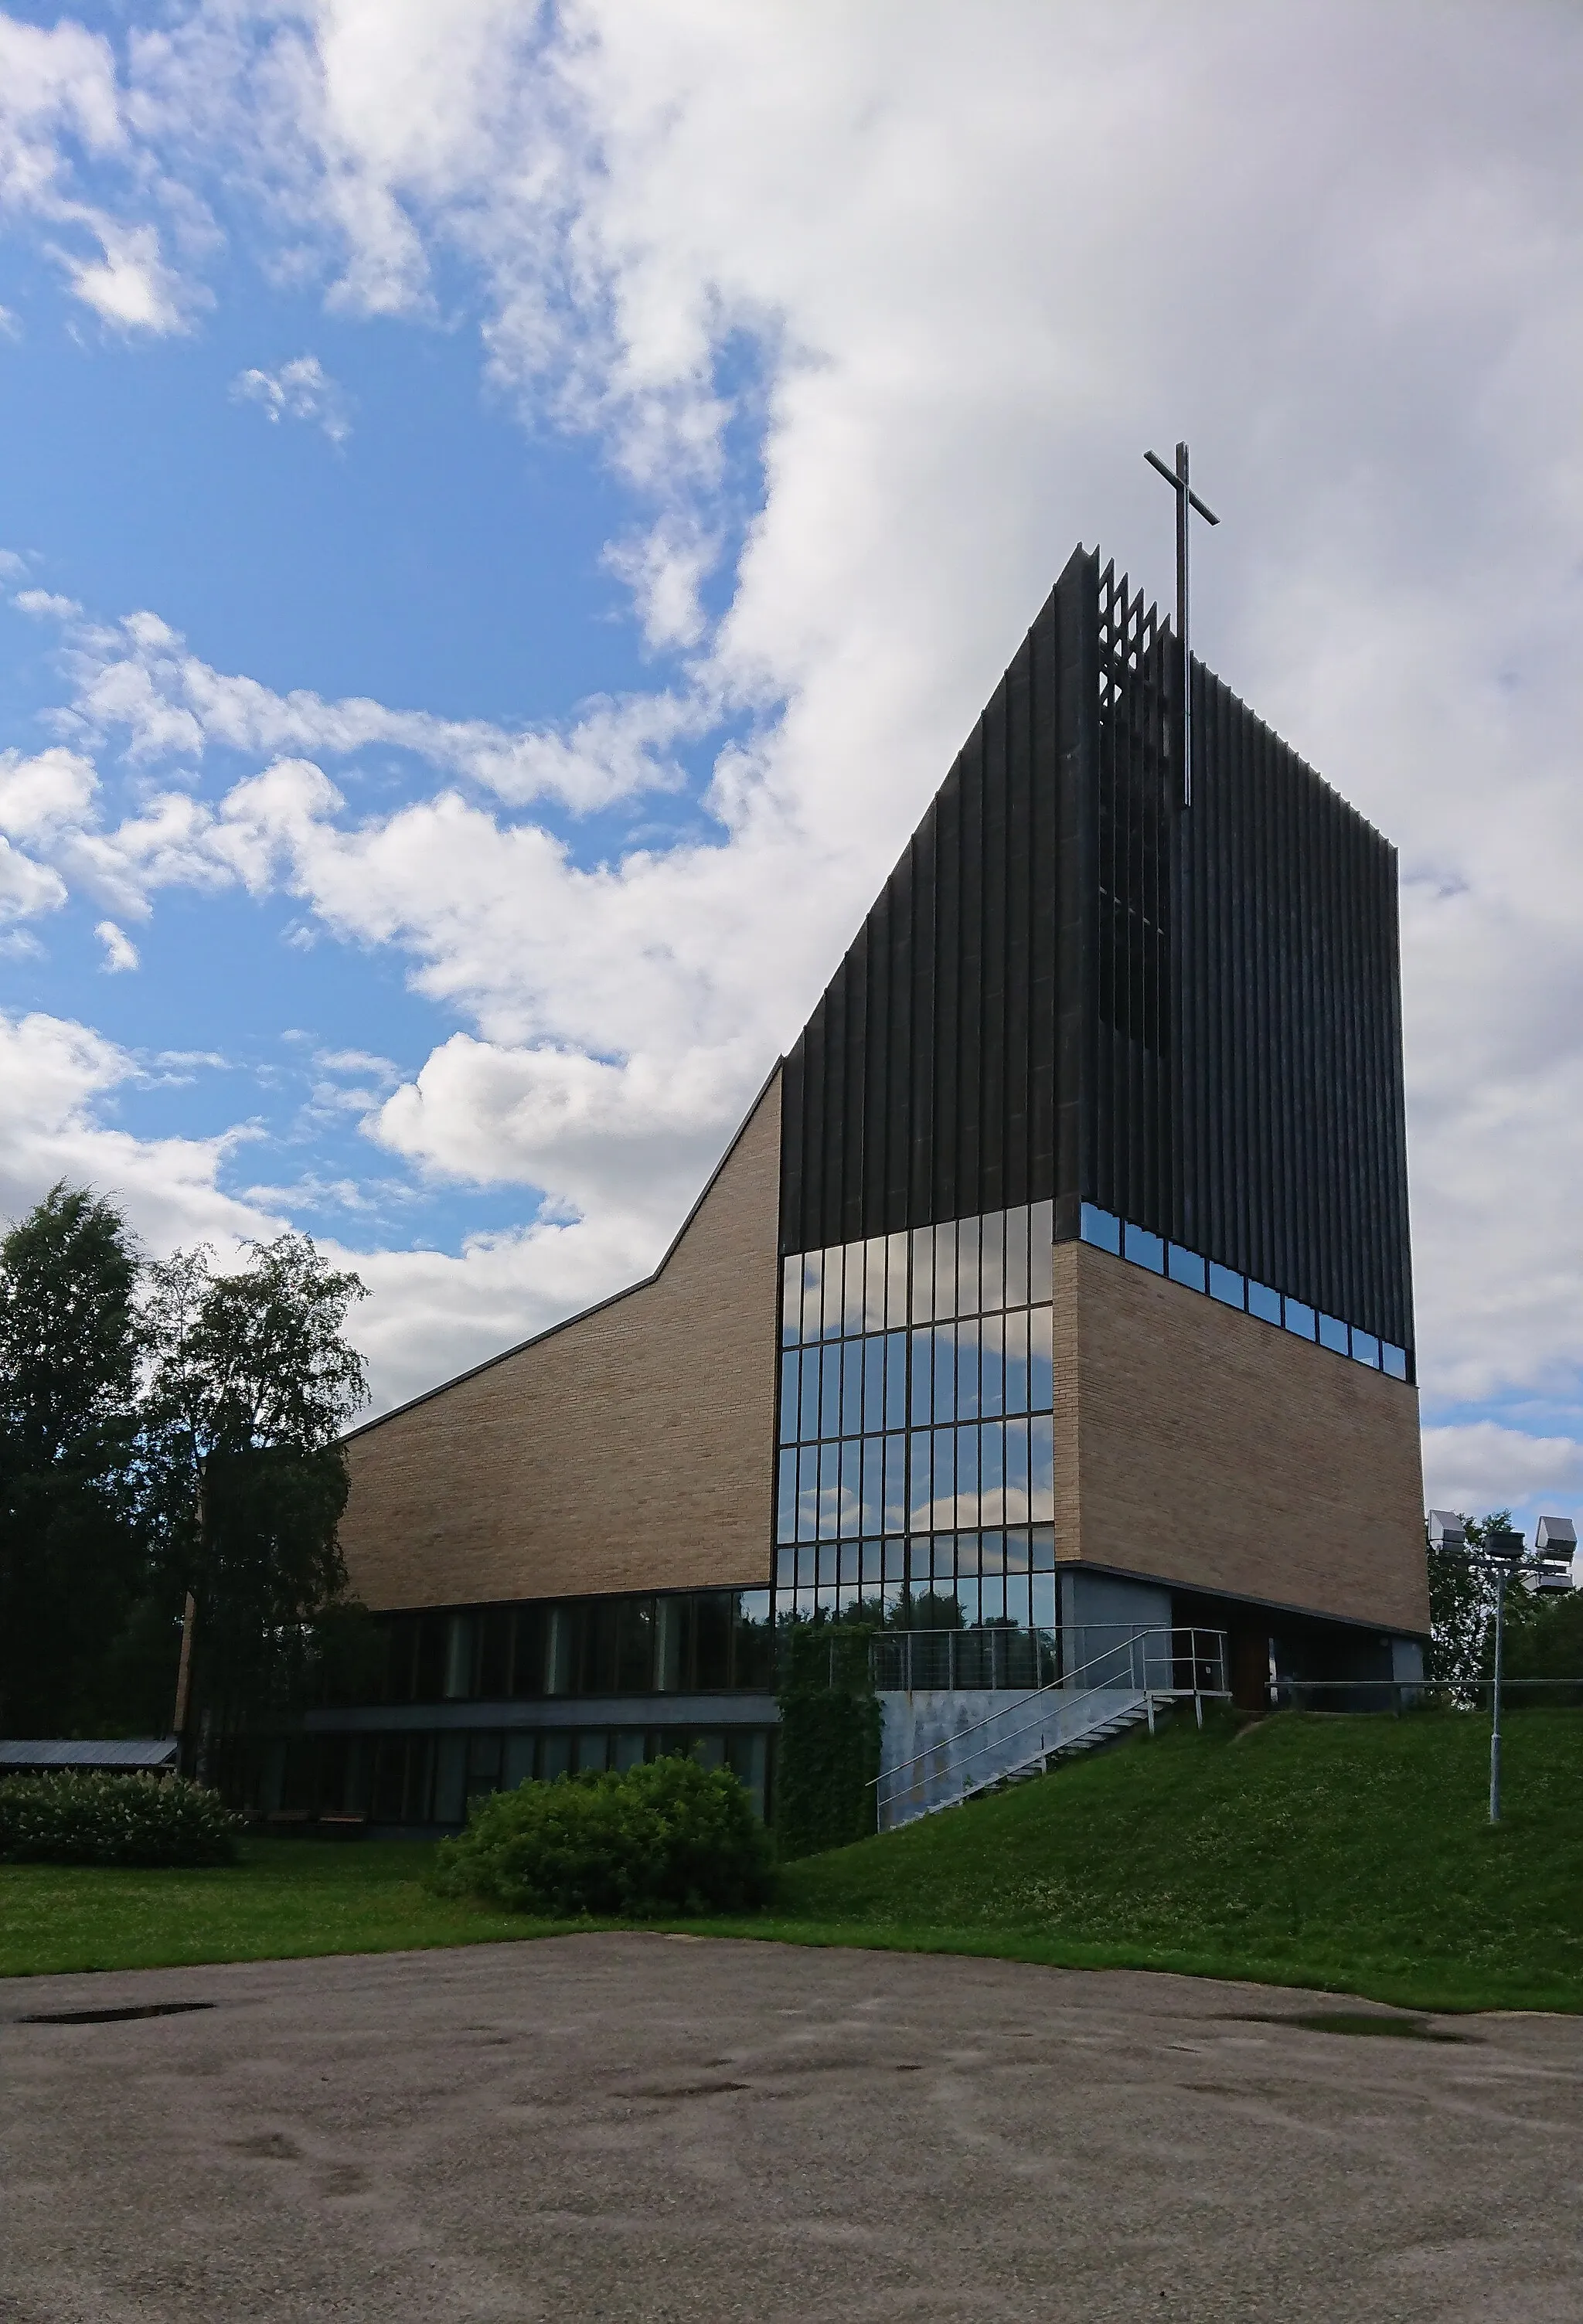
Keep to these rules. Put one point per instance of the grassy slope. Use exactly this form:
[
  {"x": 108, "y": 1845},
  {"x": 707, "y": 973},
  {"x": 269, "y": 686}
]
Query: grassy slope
[
  {"x": 1340, "y": 1852},
  {"x": 1351, "y": 1853}
]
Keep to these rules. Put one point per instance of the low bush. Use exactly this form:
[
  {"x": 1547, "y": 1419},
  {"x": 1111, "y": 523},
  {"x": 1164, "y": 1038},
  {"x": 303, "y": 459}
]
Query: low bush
[
  {"x": 103, "y": 1819},
  {"x": 670, "y": 1837}
]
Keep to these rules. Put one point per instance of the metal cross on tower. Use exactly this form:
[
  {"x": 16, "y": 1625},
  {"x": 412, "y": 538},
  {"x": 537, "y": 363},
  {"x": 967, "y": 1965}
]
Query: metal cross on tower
[{"x": 1186, "y": 501}]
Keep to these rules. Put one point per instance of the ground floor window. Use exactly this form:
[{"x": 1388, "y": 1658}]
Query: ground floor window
[{"x": 428, "y": 1778}]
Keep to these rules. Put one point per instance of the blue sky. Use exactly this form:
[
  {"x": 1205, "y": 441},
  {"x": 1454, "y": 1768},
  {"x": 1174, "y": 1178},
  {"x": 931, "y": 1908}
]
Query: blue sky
[{"x": 508, "y": 513}]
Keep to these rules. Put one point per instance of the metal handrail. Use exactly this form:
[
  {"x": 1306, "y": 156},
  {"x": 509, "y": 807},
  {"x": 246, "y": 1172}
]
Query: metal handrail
[
  {"x": 1063, "y": 1685},
  {"x": 1291, "y": 1691},
  {"x": 998, "y": 1646}
]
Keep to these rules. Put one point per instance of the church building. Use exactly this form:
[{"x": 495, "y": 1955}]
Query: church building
[{"x": 1057, "y": 1280}]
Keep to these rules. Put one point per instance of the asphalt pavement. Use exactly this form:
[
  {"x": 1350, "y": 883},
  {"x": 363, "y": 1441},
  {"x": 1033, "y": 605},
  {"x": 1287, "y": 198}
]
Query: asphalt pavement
[{"x": 652, "y": 2128}]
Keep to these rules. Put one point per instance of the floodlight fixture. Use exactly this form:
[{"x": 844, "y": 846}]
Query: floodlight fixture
[
  {"x": 1446, "y": 1530},
  {"x": 1555, "y": 1538}
]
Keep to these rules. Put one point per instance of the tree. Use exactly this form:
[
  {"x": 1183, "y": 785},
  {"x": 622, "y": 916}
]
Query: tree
[
  {"x": 1462, "y": 1612},
  {"x": 71, "y": 1546},
  {"x": 1548, "y": 1645},
  {"x": 1459, "y": 1609},
  {"x": 251, "y": 1383}
]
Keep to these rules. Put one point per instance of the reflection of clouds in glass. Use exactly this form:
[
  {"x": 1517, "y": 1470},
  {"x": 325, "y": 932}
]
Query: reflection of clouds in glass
[{"x": 920, "y": 1429}]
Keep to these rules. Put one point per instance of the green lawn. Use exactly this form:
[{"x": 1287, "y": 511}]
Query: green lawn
[
  {"x": 1351, "y": 1854},
  {"x": 285, "y": 1897}
]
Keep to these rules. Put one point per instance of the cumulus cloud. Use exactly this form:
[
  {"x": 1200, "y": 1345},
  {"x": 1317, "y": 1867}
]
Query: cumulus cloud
[
  {"x": 949, "y": 287},
  {"x": 592, "y": 1134},
  {"x": 300, "y": 390},
  {"x": 1481, "y": 1465},
  {"x": 431, "y": 1313},
  {"x": 26, "y": 888},
  {"x": 44, "y": 794}
]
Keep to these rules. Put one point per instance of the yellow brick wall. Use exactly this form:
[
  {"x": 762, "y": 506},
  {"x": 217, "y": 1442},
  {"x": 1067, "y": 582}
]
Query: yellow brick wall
[
  {"x": 630, "y": 1449},
  {"x": 1205, "y": 1446}
]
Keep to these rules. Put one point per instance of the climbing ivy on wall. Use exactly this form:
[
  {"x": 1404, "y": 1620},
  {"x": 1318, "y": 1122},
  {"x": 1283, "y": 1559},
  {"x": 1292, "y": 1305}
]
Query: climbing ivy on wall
[{"x": 829, "y": 1750}]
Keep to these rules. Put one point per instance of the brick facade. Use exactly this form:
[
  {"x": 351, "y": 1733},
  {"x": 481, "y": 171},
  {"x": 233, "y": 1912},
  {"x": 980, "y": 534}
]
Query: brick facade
[
  {"x": 628, "y": 1449},
  {"x": 1210, "y": 1449}
]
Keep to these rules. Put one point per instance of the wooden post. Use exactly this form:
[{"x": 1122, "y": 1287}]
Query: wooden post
[{"x": 184, "y": 1673}]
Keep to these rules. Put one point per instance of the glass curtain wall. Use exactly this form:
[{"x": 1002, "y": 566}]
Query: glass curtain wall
[{"x": 915, "y": 1432}]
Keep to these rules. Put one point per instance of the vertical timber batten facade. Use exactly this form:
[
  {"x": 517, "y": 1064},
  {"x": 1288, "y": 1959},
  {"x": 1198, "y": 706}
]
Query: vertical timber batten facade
[
  {"x": 1059, "y": 1276},
  {"x": 1072, "y": 991}
]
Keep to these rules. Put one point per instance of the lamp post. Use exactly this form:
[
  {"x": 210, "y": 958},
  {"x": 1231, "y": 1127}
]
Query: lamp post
[{"x": 1503, "y": 1549}]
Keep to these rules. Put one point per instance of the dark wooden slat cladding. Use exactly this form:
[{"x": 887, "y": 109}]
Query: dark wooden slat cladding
[{"x": 1071, "y": 990}]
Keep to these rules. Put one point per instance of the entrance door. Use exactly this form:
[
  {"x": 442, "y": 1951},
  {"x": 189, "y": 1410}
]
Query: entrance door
[{"x": 1249, "y": 1670}]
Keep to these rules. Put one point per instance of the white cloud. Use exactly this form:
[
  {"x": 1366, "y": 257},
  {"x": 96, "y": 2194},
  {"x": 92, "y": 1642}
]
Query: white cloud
[
  {"x": 138, "y": 679},
  {"x": 60, "y": 1077},
  {"x": 120, "y": 952},
  {"x": 46, "y": 793},
  {"x": 1481, "y": 1465},
  {"x": 44, "y": 606},
  {"x": 665, "y": 569},
  {"x": 26, "y": 888},
  {"x": 60, "y": 102},
  {"x": 300, "y": 390},
  {"x": 639, "y": 1135},
  {"x": 431, "y": 1314},
  {"x": 128, "y": 284},
  {"x": 1340, "y": 248}
]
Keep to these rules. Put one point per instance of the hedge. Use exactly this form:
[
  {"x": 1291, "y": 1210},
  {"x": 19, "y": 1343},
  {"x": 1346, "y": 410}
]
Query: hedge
[{"x": 105, "y": 1819}]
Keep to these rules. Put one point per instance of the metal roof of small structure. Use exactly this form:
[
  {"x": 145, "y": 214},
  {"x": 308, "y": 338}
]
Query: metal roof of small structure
[{"x": 58, "y": 1754}]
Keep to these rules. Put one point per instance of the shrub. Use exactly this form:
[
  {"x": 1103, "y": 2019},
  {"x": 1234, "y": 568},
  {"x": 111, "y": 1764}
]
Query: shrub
[
  {"x": 665, "y": 1838},
  {"x": 103, "y": 1819}
]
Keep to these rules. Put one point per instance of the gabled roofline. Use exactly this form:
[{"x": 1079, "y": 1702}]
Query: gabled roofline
[{"x": 535, "y": 1339}]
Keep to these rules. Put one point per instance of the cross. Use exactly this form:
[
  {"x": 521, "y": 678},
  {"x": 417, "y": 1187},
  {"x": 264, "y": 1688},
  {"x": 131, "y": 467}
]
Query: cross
[{"x": 1185, "y": 499}]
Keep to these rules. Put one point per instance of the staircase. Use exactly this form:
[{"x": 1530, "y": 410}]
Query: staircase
[{"x": 1108, "y": 1697}]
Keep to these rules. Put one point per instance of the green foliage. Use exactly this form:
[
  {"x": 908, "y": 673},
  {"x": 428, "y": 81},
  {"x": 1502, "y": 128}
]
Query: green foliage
[
  {"x": 71, "y": 1552},
  {"x": 163, "y": 1430},
  {"x": 1547, "y": 1643},
  {"x": 1544, "y": 1633},
  {"x": 252, "y": 1382},
  {"x": 670, "y": 1837},
  {"x": 1459, "y": 1612},
  {"x": 106, "y": 1819},
  {"x": 1462, "y": 1609},
  {"x": 829, "y": 1750}
]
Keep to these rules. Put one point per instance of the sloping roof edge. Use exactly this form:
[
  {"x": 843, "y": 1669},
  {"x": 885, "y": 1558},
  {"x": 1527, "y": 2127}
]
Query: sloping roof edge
[
  {"x": 443, "y": 1387},
  {"x": 55, "y": 1752}
]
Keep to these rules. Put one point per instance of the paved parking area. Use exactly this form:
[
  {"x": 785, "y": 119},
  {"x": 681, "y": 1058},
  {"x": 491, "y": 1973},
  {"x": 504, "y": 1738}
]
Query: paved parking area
[{"x": 651, "y": 2128}]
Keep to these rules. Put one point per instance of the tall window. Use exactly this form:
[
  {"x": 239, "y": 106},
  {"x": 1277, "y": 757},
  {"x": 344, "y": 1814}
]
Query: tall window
[{"x": 915, "y": 1429}]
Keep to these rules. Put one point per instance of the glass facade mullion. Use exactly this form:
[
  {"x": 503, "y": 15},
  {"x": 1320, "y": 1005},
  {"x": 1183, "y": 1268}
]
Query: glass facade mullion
[{"x": 918, "y": 1402}]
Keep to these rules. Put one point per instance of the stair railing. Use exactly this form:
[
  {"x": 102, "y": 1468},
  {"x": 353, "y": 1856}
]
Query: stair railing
[{"x": 1204, "y": 1657}]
